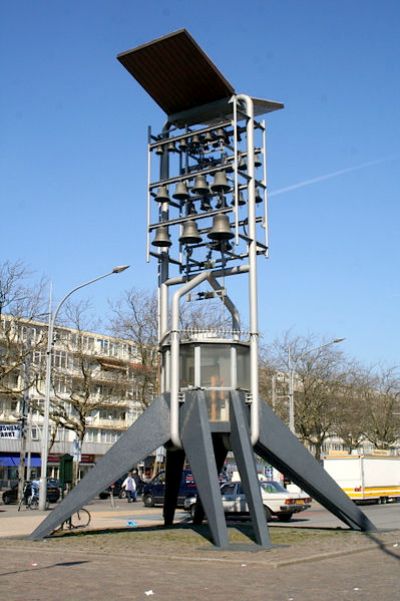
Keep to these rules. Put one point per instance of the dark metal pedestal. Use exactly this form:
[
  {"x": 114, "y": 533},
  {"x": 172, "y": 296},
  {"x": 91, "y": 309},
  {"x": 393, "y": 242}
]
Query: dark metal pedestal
[{"x": 205, "y": 445}]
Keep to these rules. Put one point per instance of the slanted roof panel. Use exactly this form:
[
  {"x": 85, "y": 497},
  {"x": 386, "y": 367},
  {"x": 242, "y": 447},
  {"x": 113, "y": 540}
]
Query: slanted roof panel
[{"x": 176, "y": 72}]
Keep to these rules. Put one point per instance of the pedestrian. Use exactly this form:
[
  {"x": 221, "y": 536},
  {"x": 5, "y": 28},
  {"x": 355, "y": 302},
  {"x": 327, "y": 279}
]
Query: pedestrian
[
  {"x": 138, "y": 482},
  {"x": 129, "y": 485}
]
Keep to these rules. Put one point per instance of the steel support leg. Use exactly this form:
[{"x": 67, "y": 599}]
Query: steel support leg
[
  {"x": 149, "y": 431},
  {"x": 220, "y": 452},
  {"x": 173, "y": 477},
  {"x": 281, "y": 449},
  {"x": 197, "y": 442},
  {"x": 244, "y": 456}
]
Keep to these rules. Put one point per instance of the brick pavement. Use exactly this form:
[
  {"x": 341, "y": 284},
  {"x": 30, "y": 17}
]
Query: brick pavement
[{"x": 179, "y": 564}]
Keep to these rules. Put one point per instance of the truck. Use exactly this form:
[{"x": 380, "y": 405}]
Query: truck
[{"x": 366, "y": 478}]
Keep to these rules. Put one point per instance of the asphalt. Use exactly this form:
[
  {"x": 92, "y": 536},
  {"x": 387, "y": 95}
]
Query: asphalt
[{"x": 125, "y": 553}]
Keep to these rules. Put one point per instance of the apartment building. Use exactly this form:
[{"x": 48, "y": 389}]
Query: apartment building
[{"x": 97, "y": 384}]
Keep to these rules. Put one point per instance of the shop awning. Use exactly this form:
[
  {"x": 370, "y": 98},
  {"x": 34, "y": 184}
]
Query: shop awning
[{"x": 13, "y": 461}]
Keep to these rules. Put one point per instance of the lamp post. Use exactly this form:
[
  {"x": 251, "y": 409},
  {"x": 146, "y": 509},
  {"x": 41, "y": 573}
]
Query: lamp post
[
  {"x": 291, "y": 378},
  {"x": 50, "y": 345}
]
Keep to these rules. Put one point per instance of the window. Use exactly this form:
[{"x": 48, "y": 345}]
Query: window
[{"x": 60, "y": 359}]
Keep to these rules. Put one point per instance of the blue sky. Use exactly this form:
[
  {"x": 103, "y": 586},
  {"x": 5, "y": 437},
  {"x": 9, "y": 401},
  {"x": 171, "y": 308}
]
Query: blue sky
[{"x": 73, "y": 150}]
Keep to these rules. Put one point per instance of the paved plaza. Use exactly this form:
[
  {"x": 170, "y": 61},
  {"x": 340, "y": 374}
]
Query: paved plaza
[{"x": 144, "y": 560}]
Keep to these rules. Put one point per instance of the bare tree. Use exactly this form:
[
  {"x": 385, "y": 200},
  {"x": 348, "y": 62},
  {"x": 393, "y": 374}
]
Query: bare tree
[
  {"x": 381, "y": 400},
  {"x": 84, "y": 383},
  {"x": 350, "y": 416},
  {"x": 318, "y": 379},
  {"x": 20, "y": 305},
  {"x": 135, "y": 317}
]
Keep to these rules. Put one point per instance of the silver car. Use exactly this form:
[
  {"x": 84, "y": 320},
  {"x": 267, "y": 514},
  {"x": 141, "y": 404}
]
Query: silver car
[{"x": 276, "y": 499}]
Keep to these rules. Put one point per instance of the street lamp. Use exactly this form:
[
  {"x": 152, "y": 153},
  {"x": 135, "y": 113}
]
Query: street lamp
[
  {"x": 291, "y": 378},
  {"x": 50, "y": 345}
]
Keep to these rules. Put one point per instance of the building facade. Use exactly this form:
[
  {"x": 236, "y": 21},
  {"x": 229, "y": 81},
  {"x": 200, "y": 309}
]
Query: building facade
[{"x": 97, "y": 392}]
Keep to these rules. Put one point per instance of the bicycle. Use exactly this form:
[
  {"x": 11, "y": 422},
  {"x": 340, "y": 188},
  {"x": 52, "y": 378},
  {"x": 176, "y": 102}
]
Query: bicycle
[
  {"x": 79, "y": 519},
  {"x": 29, "y": 499}
]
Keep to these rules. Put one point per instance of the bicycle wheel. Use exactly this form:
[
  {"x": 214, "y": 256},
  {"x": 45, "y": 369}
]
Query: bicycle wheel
[{"x": 80, "y": 519}]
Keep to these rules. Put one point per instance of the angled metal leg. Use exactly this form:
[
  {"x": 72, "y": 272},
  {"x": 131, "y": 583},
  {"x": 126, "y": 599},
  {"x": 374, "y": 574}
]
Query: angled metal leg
[
  {"x": 149, "y": 431},
  {"x": 220, "y": 453},
  {"x": 244, "y": 456},
  {"x": 281, "y": 449},
  {"x": 173, "y": 476},
  {"x": 197, "y": 443}
]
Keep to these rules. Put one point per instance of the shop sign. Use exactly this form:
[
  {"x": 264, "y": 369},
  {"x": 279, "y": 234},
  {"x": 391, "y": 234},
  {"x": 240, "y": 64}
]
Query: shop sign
[{"x": 10, "y": 431}]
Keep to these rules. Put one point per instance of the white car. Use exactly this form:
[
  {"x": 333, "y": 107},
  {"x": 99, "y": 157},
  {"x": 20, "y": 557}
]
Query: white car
[{"x": 276, "y": 499}]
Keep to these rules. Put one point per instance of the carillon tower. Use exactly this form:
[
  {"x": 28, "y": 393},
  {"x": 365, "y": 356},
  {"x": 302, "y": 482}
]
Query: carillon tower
[{"x": 207, "y": 222}]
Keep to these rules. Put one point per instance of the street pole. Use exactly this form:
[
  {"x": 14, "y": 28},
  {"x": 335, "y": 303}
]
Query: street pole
[
  {"x": 292, "y": 376},
  {"x": 46, "y": 416},
  {"x": 291, "y": 392}
]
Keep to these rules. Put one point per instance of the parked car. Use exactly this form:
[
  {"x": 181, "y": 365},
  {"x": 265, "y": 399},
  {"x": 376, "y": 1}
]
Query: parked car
[
  {"x": 276, "y": 499},
  {"x": 53, "y": 492},
  {"x": 117, "y": 490},
  {"x": 154, "y": 491}
]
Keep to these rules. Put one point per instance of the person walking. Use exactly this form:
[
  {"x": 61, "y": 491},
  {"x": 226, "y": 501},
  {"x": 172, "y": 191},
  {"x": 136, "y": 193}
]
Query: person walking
[{"x": 129, "y": 485}]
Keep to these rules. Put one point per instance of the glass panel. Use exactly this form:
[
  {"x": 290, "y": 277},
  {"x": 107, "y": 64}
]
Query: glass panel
[
  {"x": 217, "y": 405},
  {"x": 186, "y": 369},
  {"x": 216, "y": 366},
  {"x": 243, "y": 367}
]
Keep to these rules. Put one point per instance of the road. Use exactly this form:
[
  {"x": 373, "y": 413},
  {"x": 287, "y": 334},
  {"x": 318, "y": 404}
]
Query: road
[{"x": 385, "y": 517}]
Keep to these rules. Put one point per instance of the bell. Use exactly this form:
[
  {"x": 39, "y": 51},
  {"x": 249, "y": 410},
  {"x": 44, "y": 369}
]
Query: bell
[
  {"x": 241, "y": 200},
  {"x": 220, "y": 136},
  {"x": 221, "y": 202},
  {"x": 220, "y": 183},
  {"x": 171, "y": 147},
  {"x": 195, "y": 141},
  {"x": 160, "y": 150},
  {"x": 243, "y": 163},
  {"x": 190, "y": 208},
  {"x": 181, "y": 191},
  {"x": 162, "y": 194},
  {"x": 190, "y": 233},
  {"x": 221, "y": 229},
  {"x": 200, "y": 185},
  {"x": 208, "y": 138},
  {"x": 257, "y": 159},
  {"x": 221, "y": 246},
  {"x": 162, "y": 237},
  {"x": 259, "y": 198},
  {"x": 205, "y": 204},
  {"x": 183, "y": 144}
]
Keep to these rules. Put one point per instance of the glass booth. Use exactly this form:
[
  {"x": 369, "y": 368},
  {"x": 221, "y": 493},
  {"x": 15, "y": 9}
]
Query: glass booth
[{"x": 215, "y": 366}]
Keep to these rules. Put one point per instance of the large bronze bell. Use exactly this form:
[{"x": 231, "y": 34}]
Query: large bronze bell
[
  {"x": 181, "y": 191},
  {"x": 221, "y": 229},
  {"x": 220, "y": 183},
  {"x": 162, "y": 237},
  {"x": 190, "y": 233},
  {"x": 200, "y": 185},
  {"x": 162, "y": 194}
]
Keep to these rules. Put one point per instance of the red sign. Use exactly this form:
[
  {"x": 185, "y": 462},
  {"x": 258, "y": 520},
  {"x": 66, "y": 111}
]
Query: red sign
[{"x": 85, "y": 458}]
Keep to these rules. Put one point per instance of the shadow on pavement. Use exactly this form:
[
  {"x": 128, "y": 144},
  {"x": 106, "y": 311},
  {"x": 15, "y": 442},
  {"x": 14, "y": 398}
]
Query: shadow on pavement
[{"x": 63, "y": 564}]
